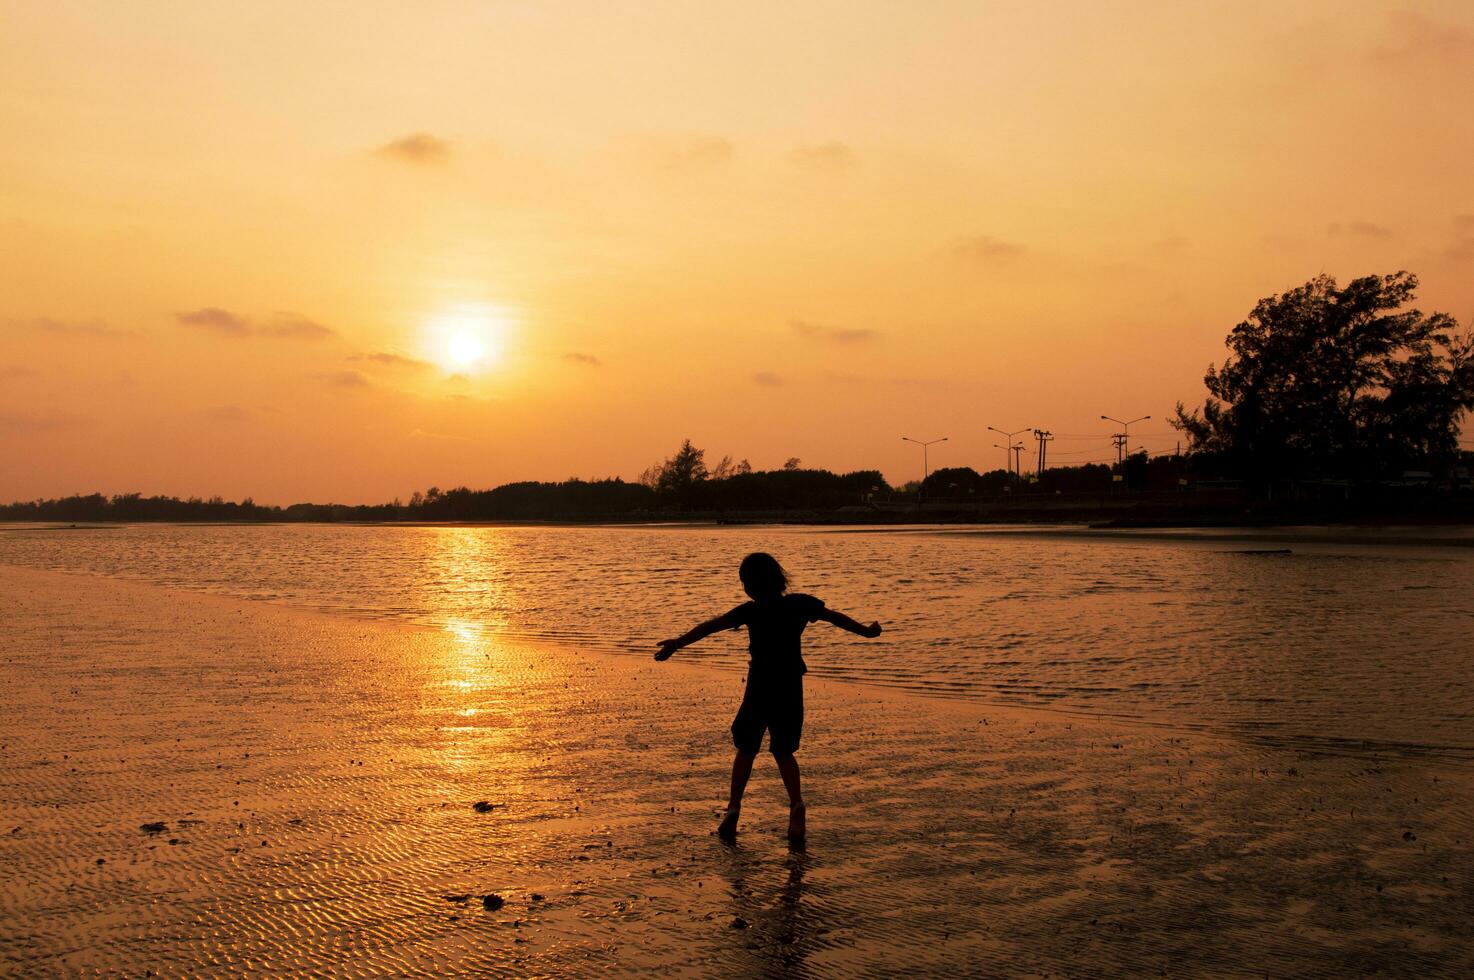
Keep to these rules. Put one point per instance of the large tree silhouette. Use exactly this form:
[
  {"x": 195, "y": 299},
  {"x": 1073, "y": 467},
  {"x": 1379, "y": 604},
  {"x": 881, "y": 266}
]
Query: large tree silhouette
[
  {"x": 679, "y": 477},
  {"x": 1330, "y": 382}
]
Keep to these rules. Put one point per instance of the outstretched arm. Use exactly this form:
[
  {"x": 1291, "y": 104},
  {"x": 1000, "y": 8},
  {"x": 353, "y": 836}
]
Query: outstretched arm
[
  {"x": 846, "y": 623},
  {"x": 699, "y": 632}
]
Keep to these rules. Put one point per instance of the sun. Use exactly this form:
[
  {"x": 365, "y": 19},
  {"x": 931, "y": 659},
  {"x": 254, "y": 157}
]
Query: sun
[
  {"x": 464, "y": 349},
  {"x": 464, "y": 339}
]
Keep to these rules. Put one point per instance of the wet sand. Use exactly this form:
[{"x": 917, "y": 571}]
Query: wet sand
[{"x": 194, "y": 784}]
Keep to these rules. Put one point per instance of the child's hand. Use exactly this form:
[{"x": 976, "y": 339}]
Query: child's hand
[
  {"x": 872, "y": 631},
  {"x": 667, "y": 647}
]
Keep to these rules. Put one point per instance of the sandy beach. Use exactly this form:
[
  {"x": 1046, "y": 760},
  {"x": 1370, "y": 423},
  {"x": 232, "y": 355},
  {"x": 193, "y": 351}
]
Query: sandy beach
[{"x": 202, "y": 785}]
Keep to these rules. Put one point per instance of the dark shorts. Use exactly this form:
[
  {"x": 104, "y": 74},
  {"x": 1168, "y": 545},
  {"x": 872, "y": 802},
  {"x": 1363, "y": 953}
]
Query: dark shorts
[{"x": 775, "y": 708}]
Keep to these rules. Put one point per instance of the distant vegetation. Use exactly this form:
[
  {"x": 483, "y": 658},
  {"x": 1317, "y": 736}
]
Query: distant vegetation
[
  {"x": 1329, "y": 399},
  {"x": 681, "y": 486}
]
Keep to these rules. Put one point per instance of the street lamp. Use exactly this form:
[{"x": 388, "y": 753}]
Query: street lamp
[
  {"x": 1005, "y": 449},
  {"x": 925, "y": 463},
  {"x": 1012, "y": 453},
  {"x": 1123, "y": 449}
]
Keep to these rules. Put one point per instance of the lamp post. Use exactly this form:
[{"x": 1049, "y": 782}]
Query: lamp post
[
  {"x": 1012, "y": 454},
  {"x": 1006, "y": 448},
  {"x": 1007, "y": 456},
  {"x": 925, "y": 463},
  {"x": 1122, "y": 449}
]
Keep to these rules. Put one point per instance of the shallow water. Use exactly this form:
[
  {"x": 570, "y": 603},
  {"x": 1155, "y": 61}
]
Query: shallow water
[{"x": 1344, "y": 644}]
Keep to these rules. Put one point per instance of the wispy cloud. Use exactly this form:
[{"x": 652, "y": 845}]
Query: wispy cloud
[
  {"x": 417, "y": 148},
  {"x": 833, "y": 335},
  {"x": 986, "y": 249},
  {"x": 282, "y": 326},
  {"x": 81, "y": 328},
  {"x": 824, "y": 158},
  {"x": 294, "y": 326},
  {"x": 696, "y": 154},
  {"x": 587, "y": 359},
  {"x": 216, "y": 319},
  {"x": 16, "y": 371},
  {"x": 45, "y": 422},
  {"x": 1359, "y": 229},
  {"x": 391, "y": 360},
  {"x": 1416, "y": 41},
  {"x": 767, "y": 378},
  {"x": 343, "y": 379}
]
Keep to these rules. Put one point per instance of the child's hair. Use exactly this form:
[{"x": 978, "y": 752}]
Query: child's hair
[{"x": 762, "y": 574}]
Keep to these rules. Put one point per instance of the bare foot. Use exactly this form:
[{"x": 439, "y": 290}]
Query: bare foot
[
  {"x": 727, "y": 830},
  {"x": 797, "y": 825}
]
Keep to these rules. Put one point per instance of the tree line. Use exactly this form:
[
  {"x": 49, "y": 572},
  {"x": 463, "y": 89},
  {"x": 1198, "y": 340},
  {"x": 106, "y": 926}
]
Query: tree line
[{"x": 681, "y": 485}]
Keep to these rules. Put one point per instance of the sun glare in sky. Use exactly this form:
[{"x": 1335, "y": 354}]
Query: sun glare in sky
[
  {"x": 465, "y": 339},
  {"x": 464, "y": 349}
]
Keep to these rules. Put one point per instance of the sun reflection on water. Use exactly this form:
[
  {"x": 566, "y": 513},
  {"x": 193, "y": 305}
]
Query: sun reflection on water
[
  {"x": 472, "y": 700},
  {"x": 472, "y": 665},
  {"x": 475, "y": 696}
]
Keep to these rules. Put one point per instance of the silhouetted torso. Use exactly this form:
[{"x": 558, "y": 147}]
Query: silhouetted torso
[{"x": 774, "y": 628}]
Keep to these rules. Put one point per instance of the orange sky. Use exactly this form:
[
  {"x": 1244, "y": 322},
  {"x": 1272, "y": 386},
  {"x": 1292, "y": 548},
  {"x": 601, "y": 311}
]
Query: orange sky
[{"x": 237, "y": 241}]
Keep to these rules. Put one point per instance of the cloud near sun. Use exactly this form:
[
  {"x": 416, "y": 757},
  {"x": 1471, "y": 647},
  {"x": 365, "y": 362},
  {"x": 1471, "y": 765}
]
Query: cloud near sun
[
  {"x": 420, "y": 148},
  {"x": 282, "y": 326}
]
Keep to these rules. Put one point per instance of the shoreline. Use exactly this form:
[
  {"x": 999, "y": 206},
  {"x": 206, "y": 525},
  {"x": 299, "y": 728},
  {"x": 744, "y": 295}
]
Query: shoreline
[
  {"x": 1350, "y": 532},
  {"x": 315, "y": 775}
]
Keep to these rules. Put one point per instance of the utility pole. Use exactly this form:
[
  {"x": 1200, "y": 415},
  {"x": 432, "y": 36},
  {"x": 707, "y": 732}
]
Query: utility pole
[
  {"x": 1119, "y": 441},
  {"x": 1043, "y": 436},
  {"x": 1018, "y": 449},
  {"x": 1122, "y": 449},
  {"x": 1007, "y": 458}
]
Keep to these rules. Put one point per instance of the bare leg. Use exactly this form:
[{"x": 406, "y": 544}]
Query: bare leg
[
  {"x": 741, "y": 770},
  {"x": 788, "y": 767}
]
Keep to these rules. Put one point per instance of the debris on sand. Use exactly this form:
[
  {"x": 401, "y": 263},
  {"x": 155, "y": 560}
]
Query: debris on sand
[
  {"x": 457, "y": 898},
  {"x": 482, "y": 806},
  {"x": 536, "y": 897},
  {"x": 1408, "y": 835},
  {"x": 158, "y": 827},
  {"x": 492, "y": 902},
  {"x": 738, "y": 922}
]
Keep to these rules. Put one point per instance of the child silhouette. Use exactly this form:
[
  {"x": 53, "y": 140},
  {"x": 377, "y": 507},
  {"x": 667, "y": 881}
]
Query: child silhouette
[{"x": 774, "y": 698}]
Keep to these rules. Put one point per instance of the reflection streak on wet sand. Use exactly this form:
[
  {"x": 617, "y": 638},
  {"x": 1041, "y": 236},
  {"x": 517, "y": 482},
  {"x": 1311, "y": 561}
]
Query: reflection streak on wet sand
[{"x": 317, "y": 778}]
